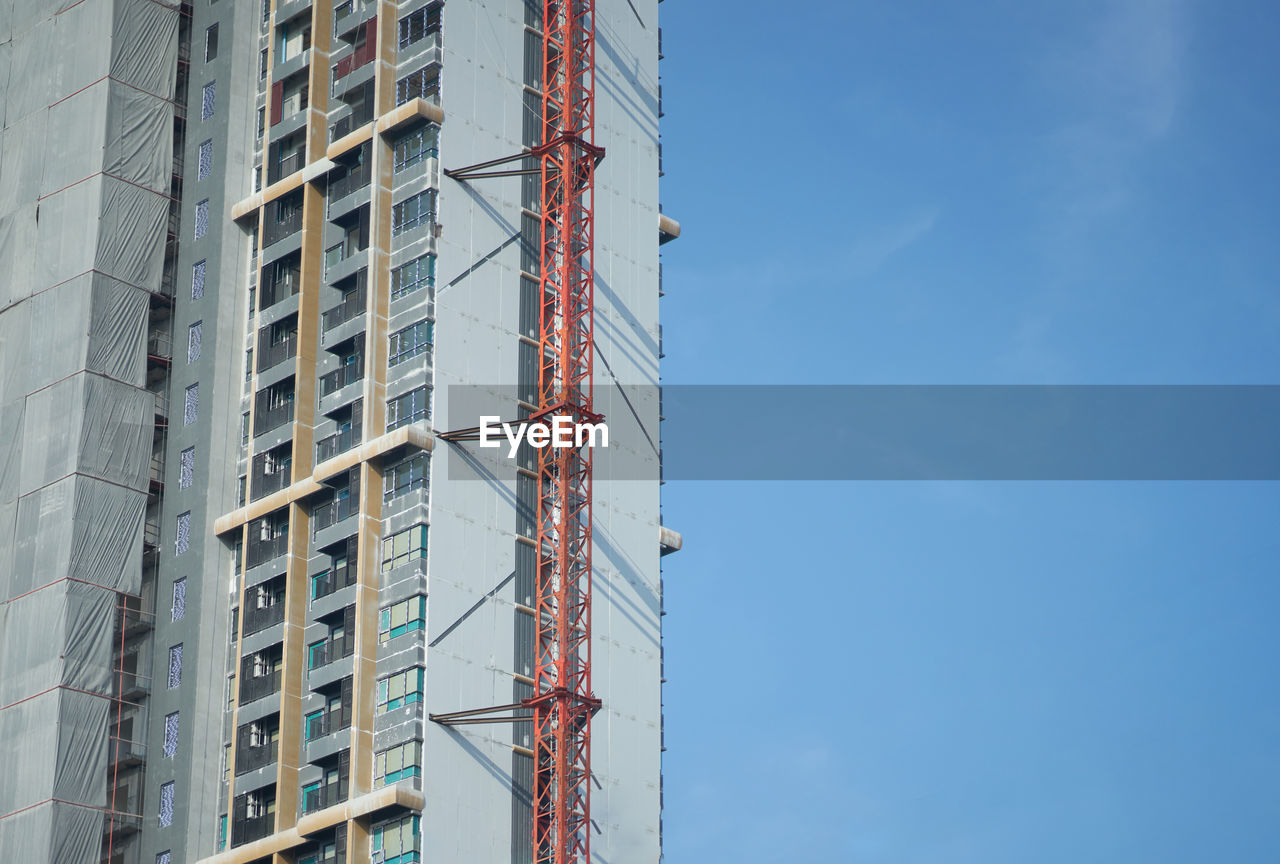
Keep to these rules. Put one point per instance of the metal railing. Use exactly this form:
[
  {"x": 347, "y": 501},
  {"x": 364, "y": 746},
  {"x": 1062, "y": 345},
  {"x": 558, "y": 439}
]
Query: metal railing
[
  {"x": 252, "y": 689},
  {"x": 250, "y": 828},
  {"x": 340, "y": 442},
  {"x": 341, "y": 377},
  {"x": 331, "y": 513},
  {"x": 329, "y": 722},
  {"x": 265, "y": 484},
  {"x": 274, "y": 231},
  {"x": 261, "y": 551},
  {"x": 257, "y": 619},
  {"x": 275, "y": 291},
  {"x": 273, "y": 354},
  {"x": 357, "y": 118},
  {"x": 319, "y": 656},
  {"x": 325, "y": 796},
  {"x": 330, "y": 581},
  {"x": 351, "y": 306},
  {"x": 272, "y": 418},
  {"x": 160, "y": 343},
  {"x": 357, "y": 178},
  {"x": 252, "y": 758}
]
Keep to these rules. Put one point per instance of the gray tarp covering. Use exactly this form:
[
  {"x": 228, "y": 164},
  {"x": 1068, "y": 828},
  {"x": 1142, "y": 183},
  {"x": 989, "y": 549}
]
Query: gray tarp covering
[{"x": 86, "y": 139}]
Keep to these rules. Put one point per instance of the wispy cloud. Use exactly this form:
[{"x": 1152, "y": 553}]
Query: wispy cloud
[
  {"x": 1116, "y": 87},
  {"x": 872, "y": 250}
]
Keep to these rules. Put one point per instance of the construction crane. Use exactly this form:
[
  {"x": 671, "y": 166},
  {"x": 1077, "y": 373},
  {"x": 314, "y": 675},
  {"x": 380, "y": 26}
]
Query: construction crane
[{"x": 563, "y": 702}]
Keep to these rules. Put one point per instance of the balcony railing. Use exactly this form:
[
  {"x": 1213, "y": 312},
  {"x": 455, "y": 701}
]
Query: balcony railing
[
  {"x": 340, "y": 442},
  {"x": 252, "y": 689},
  {"x": 258, "y": 619},
  {"x": 357, "y": 118},
  {"x": 265, "y": 484},
  {"x": 285, "y": 166},
  {"x": 332, "y": 513},
  {"x": 326, "y": 796},
  {"x": 252, "y": 758},
  {"x": 275, "y": 231},
  {"x": 356, "y": 178},
  {"x": 324, "y": 584},
  {"x": 272, "y": 418},
  {"x": 159, "y": 344},
  {"x": 261, "y": 551},
  {"x": 328, "y": 722},
  {"x": 322, "y": 655},
  {"x": 353, "y": 61},
  {"x": 349, "y": 373},
  {"x": 274, "y": 292},
  {"x": 251, "y": 828},
  {"x": 351, "y": 306},
  {"x": 274, "y": 354}
]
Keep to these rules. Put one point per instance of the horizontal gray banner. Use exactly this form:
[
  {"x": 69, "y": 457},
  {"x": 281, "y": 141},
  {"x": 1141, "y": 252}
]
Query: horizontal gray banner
[{"x": 944, "y": 432}]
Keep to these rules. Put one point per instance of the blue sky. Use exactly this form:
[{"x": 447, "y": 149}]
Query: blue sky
[{"x": 990, "y": 192}]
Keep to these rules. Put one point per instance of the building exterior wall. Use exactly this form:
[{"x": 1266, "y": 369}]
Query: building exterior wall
[{"x": 328, "y": 571}]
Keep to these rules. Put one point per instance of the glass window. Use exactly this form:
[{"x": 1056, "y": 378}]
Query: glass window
[
  {"x": 405, "y": 476},
  {"x": 406, "y": 409},
  {"x": 418, "y": 273},
  {"x": 416, "y": 146},
  {"x": 211, "y": 43},
  {"x": 397, "y": 763},
  {"x": 415, "y": 26},
  {"x": 398, "y": 840},
  {"x": 171, "y": 734},
  {"x": 207, "y": 97},
  {"x": 407, "y": 545},
  {"x": 187, "y": 469},
  {"x": 197, "y": 280},
  {"x": 400, "y": 689},
  {"x": 410, "y": 342},
  {"x": 191, "y": 404},
  {"x": 403, "y": 617},
  {"x": 413, "y": 212},
  {"x": 423, "y": 84},
  {"x": 163, "y": 857}
]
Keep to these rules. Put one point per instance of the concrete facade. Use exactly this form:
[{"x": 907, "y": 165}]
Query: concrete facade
[{"x": 326, "y": 571}]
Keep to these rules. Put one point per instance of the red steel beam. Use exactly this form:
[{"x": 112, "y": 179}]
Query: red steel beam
[{"x": 562, "y": 700}]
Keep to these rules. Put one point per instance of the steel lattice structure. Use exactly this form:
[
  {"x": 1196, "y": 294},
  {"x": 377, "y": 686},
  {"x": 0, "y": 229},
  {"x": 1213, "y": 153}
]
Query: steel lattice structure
[{"x": 562, "y": 700}]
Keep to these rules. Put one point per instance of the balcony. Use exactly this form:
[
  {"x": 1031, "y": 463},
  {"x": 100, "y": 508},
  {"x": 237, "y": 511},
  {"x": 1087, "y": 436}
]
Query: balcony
[
  {"x": 362, "y": 56},
  {"x": 272, "y": 418},
  {"x": 252, "y": 689},
  {"x": 275, "y": 231},
  {"x": 334, "y": 381},
  {"x": 329, "y": 722},
  {"x": 265, "y": 484},
  {"x": 325, "y": 796},
  {"x": 355, "y": 179},
  {"x": 351, "y": 306},
  {"x": 271, "y": 355},
  {"x": 321, "y": 655},
  {"x": 358, "y": 117},
  {"x": 131, "y": 685},
  {"x": 278, "y": 289},
  {"x": 259, "y": 619},
  {"x": 262, "y": 551},
  {"x": 341, "y": 442},
  {"x": 126, "y": 753},
  {"x": 332, "y": 513},
  {"x": 159, "y": 346},
  {"x": 251, "y": 828},
  {"x": 324, "y": 584},
  {"x": 252, "y": 758}
]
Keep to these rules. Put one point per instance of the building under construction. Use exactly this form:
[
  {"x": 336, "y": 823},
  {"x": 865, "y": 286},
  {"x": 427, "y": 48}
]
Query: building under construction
[{"x": 262, "y": 598}]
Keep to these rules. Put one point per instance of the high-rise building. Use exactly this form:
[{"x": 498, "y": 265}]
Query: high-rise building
[{"x": 259, "y": 604}]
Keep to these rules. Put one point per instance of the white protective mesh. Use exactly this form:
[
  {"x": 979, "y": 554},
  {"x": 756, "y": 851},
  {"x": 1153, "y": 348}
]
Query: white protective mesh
[
  {"x": 197, "y": 280},
  {"x": 171, "y": 734},
  {"x": 179, "y": 599},
  {"x": 175, "y": 665},
  {"x": 187, "y": 469},
  {"x": 194, "y": 336},
  {"x": 166, "y": 804}
]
